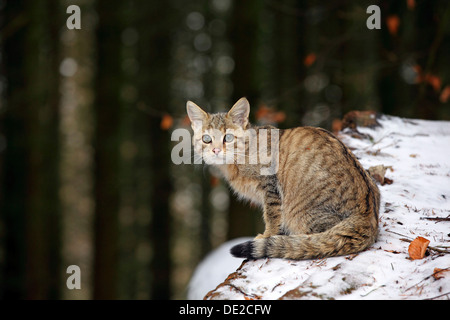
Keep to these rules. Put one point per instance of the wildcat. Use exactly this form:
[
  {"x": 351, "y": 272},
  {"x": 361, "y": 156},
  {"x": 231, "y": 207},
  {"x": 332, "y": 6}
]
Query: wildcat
[{"x": 319, "y": 202}]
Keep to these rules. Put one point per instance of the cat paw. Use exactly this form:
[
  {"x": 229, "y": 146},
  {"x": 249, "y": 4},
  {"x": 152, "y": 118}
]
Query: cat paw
[{"x": 261, "y": 236}]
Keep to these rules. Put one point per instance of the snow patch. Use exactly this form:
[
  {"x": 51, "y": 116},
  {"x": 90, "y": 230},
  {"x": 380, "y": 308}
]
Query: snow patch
[{"x": 214, "y": 269}]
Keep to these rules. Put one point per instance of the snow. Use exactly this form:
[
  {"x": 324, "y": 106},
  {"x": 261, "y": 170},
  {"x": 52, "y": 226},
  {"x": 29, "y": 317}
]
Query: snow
[
  {"x": 418, "y": 151},
  {"x": 214, "y": 269}
]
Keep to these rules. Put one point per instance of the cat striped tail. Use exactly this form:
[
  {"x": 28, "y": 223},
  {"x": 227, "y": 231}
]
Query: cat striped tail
[{"x": 349, "y": 236}]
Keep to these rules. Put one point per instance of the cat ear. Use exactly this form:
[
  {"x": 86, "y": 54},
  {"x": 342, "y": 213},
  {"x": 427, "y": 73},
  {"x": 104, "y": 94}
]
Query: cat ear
[
  {"x": 239, "y": 112},
  {"x": 195, "y": 114}
]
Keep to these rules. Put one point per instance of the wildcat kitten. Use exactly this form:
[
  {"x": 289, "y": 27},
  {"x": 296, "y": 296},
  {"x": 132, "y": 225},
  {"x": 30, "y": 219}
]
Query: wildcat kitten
[{"x": 319, "y": 202}]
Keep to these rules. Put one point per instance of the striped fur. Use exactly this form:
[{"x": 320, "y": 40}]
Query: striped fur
[{"x": 320, "y": 203}]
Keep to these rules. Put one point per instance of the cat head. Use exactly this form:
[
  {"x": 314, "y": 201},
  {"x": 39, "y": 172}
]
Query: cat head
[{"x": 218, "y": 137}]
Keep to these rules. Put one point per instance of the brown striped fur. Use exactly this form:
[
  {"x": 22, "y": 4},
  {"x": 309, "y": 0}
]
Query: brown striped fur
[{"x": 320, "y": 203}]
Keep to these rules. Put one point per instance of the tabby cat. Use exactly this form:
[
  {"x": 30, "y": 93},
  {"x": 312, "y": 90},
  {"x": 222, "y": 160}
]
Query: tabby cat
[{"x": 319, "y": 202}]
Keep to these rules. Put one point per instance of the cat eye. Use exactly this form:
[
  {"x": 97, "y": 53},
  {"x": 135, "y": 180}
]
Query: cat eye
[
  {"x": 206, "y": 138},
  {"x": 228, "y": 138}
]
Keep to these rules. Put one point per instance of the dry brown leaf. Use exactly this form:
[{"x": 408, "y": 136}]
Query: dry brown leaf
[
  {"x": 336, "y": 125},
  {"x": 354, "y": 119},
  {"x": 411, "y": 4},
  {"x": 445, "y": 94},
  {"x": 418, "y": 247},
  {"x": 439, "y": 273},
  {"x": 434, "y": 81},
  {"x": 255, "y": 297},
  {"x": 309, "y": 59},
  {"x": 279, "y": 117},
  {"x": 214, "y": 181},
  {"x": 262, "y": 112},
  {"x": 393, "y": 251},
  {"x": 378, "y": 173},
  {"x": 265, "y": 114},
  {"x": 393, "y": 23},
  {"x": 166, "y": 122}
]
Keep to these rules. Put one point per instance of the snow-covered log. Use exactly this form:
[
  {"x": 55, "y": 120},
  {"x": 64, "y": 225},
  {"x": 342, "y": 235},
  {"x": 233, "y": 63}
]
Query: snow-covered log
[{"x": 411, "y": 160}]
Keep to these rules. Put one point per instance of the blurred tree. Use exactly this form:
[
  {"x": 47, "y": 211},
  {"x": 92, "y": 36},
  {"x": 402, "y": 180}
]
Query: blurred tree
[
  {"x": 288, "y": 70},
  {"x": 243, "y": 36},
  {"x": 106, "y": 143},
  {"x": 30, "y": 205},
  {"x": 154, "y": 92},
  {"x": 391, "y": 88},
  {"x": 135, "y": 171},
  {"x": 432, "y": 44},
  {"x": 356, "y": 57}
]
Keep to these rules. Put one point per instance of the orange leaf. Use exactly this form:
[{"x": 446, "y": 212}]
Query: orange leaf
[
  {"x": 266, "y": 115},
  {"x": 417, "y": 68},
  {"x": 262, "y": 112},
  {"x": 445, "y": 94},
  {"x": 434, "y": 81},
  {"x": 309, "y": 59},
  {"x": 279, "y": 117},
  {"x": 255, "y": 297},
  {"x": 214, "y": 181},
  {"x": 411, "y": 4},
  {"x": 418, "y": 247},
  {"x": 336, "y": 125},
  {"x": 393, "y": 23},
  {"x": 166, "y": 122},
  {"x": 438, "y": 273}
]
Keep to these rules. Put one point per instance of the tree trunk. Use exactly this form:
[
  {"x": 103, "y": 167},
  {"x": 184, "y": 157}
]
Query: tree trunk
[
  {"x": 289, "y": 45},
  {"x": 30, "y": 204},
  {"x": 106, "y": 149},
  {"x": 154, "y": 93},
  {"x": 243, "y": 36}
]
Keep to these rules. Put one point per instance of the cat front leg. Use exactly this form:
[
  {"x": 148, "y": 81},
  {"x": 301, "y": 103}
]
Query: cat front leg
[
  {"x": 272, "y": 209},
  {"x": 272, "y": 220}
]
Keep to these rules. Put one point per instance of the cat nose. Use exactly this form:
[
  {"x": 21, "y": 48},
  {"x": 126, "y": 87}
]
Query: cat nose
[{"x": 216, "y": 151}]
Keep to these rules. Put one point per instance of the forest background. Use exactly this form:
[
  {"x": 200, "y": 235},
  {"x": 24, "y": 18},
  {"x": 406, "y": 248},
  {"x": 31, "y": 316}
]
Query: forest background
[{"x": 86, "y": 117}]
